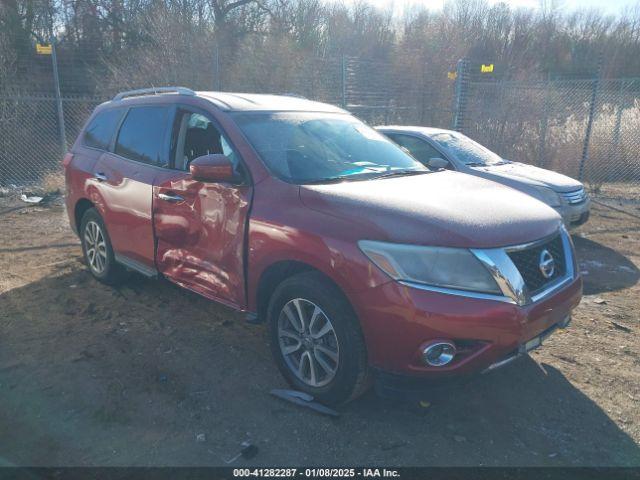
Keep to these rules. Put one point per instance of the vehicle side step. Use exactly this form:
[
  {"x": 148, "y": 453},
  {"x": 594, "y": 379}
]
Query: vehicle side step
[{"x": 136, "y": 266}]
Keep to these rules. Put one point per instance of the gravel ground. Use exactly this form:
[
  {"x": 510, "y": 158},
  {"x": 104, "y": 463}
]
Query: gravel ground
[{"x": 148, "y": 374}]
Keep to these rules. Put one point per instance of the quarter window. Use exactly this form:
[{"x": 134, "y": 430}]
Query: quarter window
[
  {"x": 141, "y": 136},
  {"x": 100, "y": 131}
]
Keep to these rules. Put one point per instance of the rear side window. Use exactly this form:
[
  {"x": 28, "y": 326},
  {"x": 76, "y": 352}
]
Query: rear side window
[
  {"x": 99, "y": 132},
  {"x": 141, "y": 137}
]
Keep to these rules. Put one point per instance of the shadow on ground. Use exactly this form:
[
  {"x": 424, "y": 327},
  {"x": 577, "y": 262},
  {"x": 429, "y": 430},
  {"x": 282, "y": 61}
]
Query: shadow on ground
[
  {"x": 603, "y": 269},
  {"x": 91, "y": 375}
]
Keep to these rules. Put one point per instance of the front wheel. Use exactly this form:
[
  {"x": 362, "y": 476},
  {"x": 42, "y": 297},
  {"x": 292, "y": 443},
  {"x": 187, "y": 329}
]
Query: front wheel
[{"x": 316, "y": 339}]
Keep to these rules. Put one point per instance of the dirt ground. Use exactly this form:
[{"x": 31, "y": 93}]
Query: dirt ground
[{"x": 91, "y": 375}]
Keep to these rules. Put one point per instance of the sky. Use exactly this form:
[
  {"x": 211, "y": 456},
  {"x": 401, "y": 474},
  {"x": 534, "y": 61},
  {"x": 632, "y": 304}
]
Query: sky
[{"x": 607, "y": 6}]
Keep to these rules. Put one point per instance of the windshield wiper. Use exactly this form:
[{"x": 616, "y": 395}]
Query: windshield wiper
[
  {"x": 324, "y": 180},
  {"x": 400, "y": 173},
  {"x": 347, "y": 178}
]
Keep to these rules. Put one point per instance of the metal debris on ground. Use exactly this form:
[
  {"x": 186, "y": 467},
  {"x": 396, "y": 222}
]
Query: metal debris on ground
[
  {"x": 303, "y": 399},
  {"x": 30, "y": 198},
  {"x": 48, "y": 199},
  {"x": 248, "y": 451},
  {"x": 620, "y": 326}
]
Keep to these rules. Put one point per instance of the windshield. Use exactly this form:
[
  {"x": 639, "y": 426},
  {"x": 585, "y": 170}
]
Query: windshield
[
  {"x": 466, "y": 150},
  {"x": 304, "y": 147}
]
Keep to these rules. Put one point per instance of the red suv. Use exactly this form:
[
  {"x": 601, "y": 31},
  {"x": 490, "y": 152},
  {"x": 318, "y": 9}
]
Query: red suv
[{"x": 359, "y": 258}]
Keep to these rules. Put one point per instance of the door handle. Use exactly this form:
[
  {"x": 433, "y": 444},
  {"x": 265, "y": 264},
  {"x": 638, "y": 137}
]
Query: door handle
[
  {"x": 99, "y": 176},
  {"x": 170, "y": 198}
]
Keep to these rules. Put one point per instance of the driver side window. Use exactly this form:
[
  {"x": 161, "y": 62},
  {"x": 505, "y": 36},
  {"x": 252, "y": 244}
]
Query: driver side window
[
  {"x": 195, "y": 135},
  {"x": 419, "y": 149}
]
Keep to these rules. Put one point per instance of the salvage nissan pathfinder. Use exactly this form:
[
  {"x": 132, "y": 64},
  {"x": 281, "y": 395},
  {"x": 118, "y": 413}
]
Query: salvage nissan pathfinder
[{"x": 359, "y": 258}]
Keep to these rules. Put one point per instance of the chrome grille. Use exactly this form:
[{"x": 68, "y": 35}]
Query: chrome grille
[
  {"x": 574, "y": 197},
  {"x": 527, "y": 261}
]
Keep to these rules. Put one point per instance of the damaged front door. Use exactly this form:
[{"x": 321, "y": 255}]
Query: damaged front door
[{"x": 200, "y": 226}]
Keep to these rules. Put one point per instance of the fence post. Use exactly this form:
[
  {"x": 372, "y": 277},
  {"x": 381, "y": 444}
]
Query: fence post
[
  {"x": 423, "y": 96},
  {"x": 545, "y": 124},
  {"x": 616, "y": 129},
  {"x": 216, "y": 68},
  {"x": 592, "y": 112},
  {"x": 56, "y": 83},
  {"x": 344, "y": 81},
  {"x": 461, "y": 94}
]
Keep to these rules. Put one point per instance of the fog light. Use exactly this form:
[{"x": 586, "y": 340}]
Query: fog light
[{"x": 439, "y": 354}]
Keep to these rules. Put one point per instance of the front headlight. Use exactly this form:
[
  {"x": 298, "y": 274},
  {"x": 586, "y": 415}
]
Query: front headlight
[
  {"x": 443, "y": 267},
  {"x": 548, "y": 196}
]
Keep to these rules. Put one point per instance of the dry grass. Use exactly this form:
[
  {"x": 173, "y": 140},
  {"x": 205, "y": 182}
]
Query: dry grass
[
  {"x": 53, "y": 182},
  {"x": 623, "y": 192}
]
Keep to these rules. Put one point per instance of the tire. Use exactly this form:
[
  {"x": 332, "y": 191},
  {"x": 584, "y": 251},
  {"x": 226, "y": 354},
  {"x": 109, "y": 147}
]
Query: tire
[
  {"x": 101, "y": 263},
  {"x": 337, "y": 380}
]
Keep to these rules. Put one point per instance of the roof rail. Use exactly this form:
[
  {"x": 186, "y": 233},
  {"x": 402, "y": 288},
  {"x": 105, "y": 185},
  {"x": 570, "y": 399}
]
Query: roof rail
[{"x": 154, "y": 91}]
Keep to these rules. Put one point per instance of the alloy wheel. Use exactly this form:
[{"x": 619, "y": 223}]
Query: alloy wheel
[
  {"x": 95, "y": 246},
  {"x": 308, "y": 342}
]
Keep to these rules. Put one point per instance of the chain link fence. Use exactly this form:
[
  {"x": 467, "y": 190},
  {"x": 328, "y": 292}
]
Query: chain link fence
[
  {"x": 35, "y": 129},
  {"x": 403, "y": 93},
  {"x": 588, "y": 129},
  {"x": 31, "y": 146}
]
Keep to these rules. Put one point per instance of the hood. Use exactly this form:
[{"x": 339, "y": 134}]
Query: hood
[
  {"x": 443, "y": 208},
  {"x": 523, "y": 173}
]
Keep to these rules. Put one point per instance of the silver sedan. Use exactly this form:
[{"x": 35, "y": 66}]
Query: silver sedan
[{"x": 439, "y": 148}]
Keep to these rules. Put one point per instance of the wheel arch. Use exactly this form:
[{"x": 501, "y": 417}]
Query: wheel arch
[
  {"x": 80, "y": 208},
  {"x": 278, "y": 272}
]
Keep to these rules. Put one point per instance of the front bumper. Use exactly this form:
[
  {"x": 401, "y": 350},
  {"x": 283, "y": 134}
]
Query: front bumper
[
  {"x": 575, "y": 215},
  {"x": 529, "y": 345},
  {"x": 397, "y": 320}
]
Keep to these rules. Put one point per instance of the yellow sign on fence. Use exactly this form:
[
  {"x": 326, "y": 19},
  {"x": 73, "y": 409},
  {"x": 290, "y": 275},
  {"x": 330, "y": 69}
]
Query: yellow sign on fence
[
  {"x": 43, "y": 49},
  {"x": 486, "y": 68},
  {"x": 452, "y": 75}
]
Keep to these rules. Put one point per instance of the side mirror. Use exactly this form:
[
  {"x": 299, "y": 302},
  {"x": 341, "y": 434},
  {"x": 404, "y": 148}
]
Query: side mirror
[
  {"x": 212, "y": 168},
  {"x": 437, "y": 163}
]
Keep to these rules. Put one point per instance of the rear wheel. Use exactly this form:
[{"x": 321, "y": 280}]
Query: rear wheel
[
  {"x": 98, "y": 253},
  {"x": 316, "y": 339}
]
